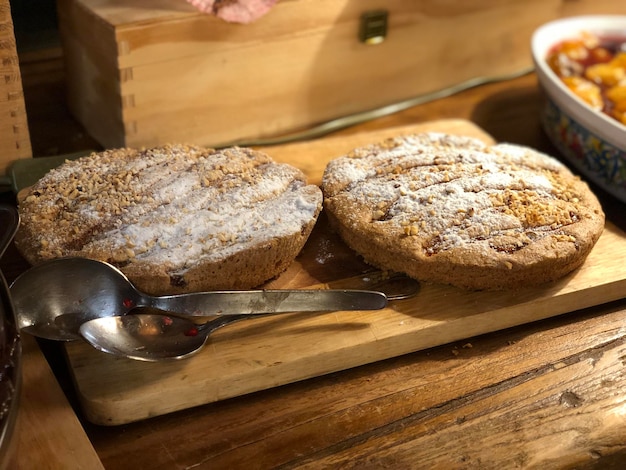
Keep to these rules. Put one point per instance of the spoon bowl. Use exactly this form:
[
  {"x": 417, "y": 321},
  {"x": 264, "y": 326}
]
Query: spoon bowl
[
  {"x": 54, "y": 298},
  {"x": 151, "y": 337}
]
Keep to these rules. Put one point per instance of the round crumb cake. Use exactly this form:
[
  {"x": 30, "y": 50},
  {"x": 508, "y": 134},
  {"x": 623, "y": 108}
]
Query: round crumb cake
[
  {"x": 175, "y": 218},
  {"x": 454, "y": 210}
]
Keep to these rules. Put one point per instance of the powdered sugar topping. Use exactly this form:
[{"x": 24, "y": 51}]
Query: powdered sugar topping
[
  {"x": 451, "y": 191},
  {"x": 174, "y": 206}
]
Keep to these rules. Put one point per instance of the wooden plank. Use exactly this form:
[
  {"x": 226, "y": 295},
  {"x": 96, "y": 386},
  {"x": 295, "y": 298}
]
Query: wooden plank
[
  {"x": 14, "y": 138},
  {"x": 267, "y": 352},
  {"x": 550, "y": 395},
  {"x": 96, "y": 89},
  {"x": 48, "y": 433}
]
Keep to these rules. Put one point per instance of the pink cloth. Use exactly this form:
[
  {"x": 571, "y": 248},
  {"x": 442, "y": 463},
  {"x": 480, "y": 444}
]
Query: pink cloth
[{"x": 235, "y": 11}]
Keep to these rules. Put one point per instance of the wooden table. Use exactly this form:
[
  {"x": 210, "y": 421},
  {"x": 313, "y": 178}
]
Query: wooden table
[{"x": 551, "y": 394}]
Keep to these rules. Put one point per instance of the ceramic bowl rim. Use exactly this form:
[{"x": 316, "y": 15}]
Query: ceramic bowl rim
[{"x": 551, "y": 33}]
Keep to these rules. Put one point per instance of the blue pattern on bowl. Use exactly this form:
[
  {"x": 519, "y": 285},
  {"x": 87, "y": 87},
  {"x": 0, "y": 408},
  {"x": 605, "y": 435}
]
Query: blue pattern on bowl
[{"x": 603, "y": 163}]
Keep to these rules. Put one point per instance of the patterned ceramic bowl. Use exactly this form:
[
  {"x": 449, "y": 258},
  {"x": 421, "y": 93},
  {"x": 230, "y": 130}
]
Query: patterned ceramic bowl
[{"x": 594, "y": 143}]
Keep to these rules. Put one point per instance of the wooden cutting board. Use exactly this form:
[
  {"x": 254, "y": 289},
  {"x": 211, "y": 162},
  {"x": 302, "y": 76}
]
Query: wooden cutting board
[{"x": 272, "y": 351}]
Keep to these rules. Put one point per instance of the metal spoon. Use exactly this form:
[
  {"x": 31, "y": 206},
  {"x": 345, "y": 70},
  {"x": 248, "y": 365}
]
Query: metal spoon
[
  {"x": 54, "y": 298},
  {"x": 154, "y": 337},
  {"x": 151, "y": 337}
]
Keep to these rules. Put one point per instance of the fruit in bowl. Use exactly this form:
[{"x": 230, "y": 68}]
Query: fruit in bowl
[
  {"x": 581, "y": 66},
  {"x": 594, "y": 68}
]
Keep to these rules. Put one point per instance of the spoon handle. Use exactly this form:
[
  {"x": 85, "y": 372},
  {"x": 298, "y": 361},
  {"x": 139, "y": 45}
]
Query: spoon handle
[{"x": 259, "y": 302}]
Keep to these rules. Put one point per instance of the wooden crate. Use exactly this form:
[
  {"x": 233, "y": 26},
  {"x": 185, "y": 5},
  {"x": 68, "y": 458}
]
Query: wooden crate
[
  {"x": 14, "y": 136},
  {"x": 145, "y": 73}
]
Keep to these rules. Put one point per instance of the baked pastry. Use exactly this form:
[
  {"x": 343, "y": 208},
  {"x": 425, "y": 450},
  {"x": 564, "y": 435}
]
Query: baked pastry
[
  {"x": 175, "y": 218},
  {"x": 454, "y": 210}
]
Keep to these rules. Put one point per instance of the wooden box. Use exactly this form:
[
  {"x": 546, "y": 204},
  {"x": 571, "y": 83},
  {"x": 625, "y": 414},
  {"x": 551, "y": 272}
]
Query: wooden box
[
  {"x": 14, "y": 136},
  {"x": 142, "y": 72}
]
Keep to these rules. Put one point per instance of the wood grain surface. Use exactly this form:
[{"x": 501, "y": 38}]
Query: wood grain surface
[
  {"x": 268, "y": 352},
  {"x": 14, "y": 136},
  {"x": 543, "y": 397},
  {"x": 48, "y": 433}
]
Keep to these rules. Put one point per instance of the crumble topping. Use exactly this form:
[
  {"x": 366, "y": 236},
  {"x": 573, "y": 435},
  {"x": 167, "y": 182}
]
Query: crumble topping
[
  {"x": 451, "y": 191},
  {"x": 172, "y": 205}
]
